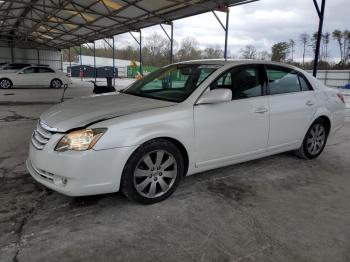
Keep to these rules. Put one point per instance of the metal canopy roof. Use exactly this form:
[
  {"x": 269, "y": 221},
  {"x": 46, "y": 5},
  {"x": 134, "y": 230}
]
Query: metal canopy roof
[{"x": 64, "y": 23}]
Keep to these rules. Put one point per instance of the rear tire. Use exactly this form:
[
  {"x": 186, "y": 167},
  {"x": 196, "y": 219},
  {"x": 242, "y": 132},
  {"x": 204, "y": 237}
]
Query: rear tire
[
  {"x": 153, "y": 172},
  {"x": 314, "y": 141},
  {"x": 56, "y": 83},
  {"x": 5, "y": 83}
]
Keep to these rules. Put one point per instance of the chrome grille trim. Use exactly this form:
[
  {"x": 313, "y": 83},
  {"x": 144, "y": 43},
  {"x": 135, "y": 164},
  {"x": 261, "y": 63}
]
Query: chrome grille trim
[{"x": 40, "y": 136}]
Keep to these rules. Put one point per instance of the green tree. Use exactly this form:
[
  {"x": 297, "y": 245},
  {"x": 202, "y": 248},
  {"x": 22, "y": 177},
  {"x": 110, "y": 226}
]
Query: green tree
[{"x": 280, "y": 51}]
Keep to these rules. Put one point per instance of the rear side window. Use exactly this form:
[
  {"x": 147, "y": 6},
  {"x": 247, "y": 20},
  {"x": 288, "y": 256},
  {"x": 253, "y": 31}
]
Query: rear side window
[
  {"x": 45, "y": 70},
  {"x": 305, "y": 86},
  {"x": 244, "y": 82},
  {"x": 282, "y": 80}
]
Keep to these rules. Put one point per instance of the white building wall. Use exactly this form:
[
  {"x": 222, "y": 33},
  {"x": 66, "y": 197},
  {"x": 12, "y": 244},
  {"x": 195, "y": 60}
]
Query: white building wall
[
  {"x": 20, "y": 55},
  {"x": 333, "y": 78}
]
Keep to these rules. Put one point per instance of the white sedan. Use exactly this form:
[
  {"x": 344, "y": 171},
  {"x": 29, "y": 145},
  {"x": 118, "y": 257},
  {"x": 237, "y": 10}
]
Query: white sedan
[
  {"x": 180, "y": 120},
  {"x": 33, "y": 76}
]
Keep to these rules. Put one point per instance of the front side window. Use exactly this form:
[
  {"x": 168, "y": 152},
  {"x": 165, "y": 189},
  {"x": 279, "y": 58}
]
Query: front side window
[
  {"x": 282, "y": 80},
  {"x": 29, "y": 70},
  {"x": 244, "y": 82},
  {"x": 174, "y": 83}
]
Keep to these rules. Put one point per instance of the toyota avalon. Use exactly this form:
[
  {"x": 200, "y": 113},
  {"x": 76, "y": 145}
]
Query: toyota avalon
[{"x": 183, "y": 119}]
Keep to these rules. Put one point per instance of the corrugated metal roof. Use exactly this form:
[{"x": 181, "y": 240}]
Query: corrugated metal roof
[{"x": 65, "y": 23}]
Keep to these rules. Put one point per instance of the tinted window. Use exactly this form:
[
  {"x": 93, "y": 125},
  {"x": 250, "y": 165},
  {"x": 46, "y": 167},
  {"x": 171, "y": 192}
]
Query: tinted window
[
  {"x": 29, "y": 70},
  {"x": 282, "y": 80},
  {"x": 303, "y": 84},
  {"x": 244, "y": 82},
  {"x": 16, "y": 66},
  {"x": 45, "y": 70}
]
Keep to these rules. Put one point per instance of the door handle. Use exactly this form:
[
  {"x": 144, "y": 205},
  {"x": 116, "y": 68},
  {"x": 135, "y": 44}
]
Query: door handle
[
  {"x": 261, "y": 110},
  {"x": 310, "y": 103}
]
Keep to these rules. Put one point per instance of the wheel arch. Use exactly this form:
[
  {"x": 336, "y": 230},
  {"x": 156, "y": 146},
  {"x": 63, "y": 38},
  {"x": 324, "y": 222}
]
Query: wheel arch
[
  {"x": 326, "y": 120},
  {"x": 56, "y": 78},
  {"x": 6, "y": 78}
]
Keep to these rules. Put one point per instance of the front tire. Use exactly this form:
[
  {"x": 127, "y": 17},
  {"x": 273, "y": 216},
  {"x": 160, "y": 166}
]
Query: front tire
[
  {"x": 153, "y": 172},
  {"x": 314, "y": 141},
  {"x": 56, "y": 83},
  {"x": 5, "y": 83}
]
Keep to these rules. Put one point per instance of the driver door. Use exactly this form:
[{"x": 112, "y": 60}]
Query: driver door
[{"x": 232, "y": 130}]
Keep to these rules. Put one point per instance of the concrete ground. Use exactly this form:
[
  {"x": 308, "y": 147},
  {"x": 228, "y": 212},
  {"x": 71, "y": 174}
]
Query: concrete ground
[{"x": 279, "y": 208}]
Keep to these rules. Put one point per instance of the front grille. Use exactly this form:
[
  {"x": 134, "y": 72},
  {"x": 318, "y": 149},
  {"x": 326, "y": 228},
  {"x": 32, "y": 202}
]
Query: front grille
[{"x": 40, "y": 136}]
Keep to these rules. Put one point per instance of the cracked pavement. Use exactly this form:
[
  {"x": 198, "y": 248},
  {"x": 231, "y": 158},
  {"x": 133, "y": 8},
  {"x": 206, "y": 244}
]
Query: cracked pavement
[{"x": 278, "y": 208}]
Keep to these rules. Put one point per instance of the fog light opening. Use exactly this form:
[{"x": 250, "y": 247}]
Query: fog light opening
[{"x": 59, "y": 181}]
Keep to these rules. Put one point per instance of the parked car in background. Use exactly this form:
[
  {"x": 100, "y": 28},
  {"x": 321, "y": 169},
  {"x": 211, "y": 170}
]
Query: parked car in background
[
  {"x": 15, "y": 66},
  {"x": 2, "y": 65},
  {"x": 33, "y": 76},
  {"x": 183, "y": 119}
]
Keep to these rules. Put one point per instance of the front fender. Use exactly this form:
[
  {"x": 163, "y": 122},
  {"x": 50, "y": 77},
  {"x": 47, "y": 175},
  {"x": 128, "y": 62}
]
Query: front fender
[{"x": 136, "y": 129}]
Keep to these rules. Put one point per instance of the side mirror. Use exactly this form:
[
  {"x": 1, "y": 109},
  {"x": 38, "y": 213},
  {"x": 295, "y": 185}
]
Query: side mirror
[{"x": 215, "y": 96}]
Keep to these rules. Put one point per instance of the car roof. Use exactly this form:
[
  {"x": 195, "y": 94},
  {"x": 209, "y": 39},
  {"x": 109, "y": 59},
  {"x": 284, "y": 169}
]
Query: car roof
[{"x": 234, "y": 62}]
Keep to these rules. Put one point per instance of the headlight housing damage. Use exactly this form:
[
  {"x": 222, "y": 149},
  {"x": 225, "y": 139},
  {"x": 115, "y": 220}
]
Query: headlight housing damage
[{"x": 80, "y": 140}]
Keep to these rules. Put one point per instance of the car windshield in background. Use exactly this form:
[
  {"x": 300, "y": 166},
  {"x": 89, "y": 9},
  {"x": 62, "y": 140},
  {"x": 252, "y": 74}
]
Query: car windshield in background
[{"x": 174, "y": 83}]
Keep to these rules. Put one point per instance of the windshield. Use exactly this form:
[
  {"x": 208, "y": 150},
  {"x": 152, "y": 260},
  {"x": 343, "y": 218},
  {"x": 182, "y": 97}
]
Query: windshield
[{"x": 173, "y": 83}]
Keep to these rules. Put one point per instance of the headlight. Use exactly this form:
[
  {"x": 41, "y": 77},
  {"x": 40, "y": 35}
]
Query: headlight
[{"x": 80, "y": 140}]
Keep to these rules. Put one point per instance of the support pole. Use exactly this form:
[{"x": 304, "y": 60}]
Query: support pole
[
  {"x": 141, "y": 71},
  {"x": 225, "y": 27},
  {"x": 81, "y": 62},
  {"x": 226, "y": 32},
  {"x": 172, "y": 43},
  {"x": 12, "y": 56},
  {"x": 38, "y": 54},
  {"x": 70, "y": 62},
  {"x": 113, "y": 61},
  {"x": 61, "y": 56},
  {"x": 171, "y": 39},
  {"x": 319, "y": 34},
  {"x": 95, "y": 70},
  {"x": 139, "y": 42}
]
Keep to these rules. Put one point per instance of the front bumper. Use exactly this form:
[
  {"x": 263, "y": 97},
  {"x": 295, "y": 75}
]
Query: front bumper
[{"x": 78, "y": 173}]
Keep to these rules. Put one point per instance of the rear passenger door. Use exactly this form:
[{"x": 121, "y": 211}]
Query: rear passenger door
[
  {"x": 45, "y": 75},
  {"x": 292, "y": 106}
]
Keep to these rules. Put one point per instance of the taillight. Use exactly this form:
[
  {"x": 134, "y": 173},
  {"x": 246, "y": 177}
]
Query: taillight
[{"x": 341, "y": 97}]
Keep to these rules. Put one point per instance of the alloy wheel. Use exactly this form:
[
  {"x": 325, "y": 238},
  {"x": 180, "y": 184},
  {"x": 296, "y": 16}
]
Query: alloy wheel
[
  {"x": 56, "y": 83},
  {"x": 5, "y": 84},
  {"x": 155, "y": 174}
]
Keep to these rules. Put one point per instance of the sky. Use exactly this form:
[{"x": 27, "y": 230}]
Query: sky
[{"x": 261, "y": 24}]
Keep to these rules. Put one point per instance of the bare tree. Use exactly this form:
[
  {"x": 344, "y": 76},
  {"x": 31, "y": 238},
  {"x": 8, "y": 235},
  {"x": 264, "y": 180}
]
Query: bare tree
[
  {"x": 343, "y": 39},
  {"x": 264, "y": 55},
  {"x": 292, "y": 48},
  {"x": 248, "y": 52},
  {"x": 325, "y": 40},
  {"x": 211, "y": 53},
  {"x": 156, "y": 50},
  {"x": 189, "y": 49},
  {"x": 304, "y": 39}
]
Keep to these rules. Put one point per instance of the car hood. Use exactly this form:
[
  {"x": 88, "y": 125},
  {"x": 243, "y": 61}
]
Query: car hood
[{"x": 80, "y": 112}]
